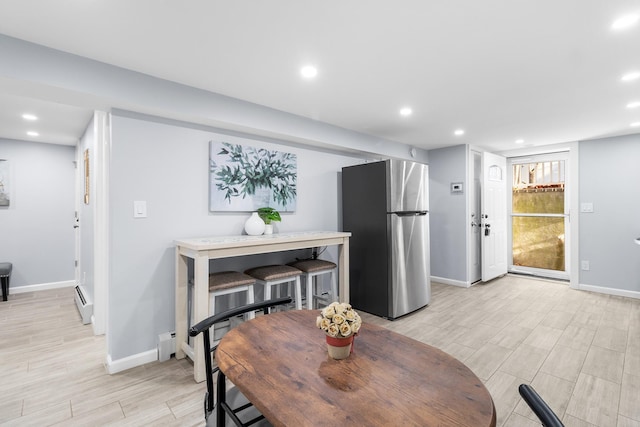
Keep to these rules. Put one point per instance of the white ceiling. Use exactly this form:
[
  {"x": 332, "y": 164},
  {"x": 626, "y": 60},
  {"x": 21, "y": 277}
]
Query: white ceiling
[{"x": 546, "y": 71}]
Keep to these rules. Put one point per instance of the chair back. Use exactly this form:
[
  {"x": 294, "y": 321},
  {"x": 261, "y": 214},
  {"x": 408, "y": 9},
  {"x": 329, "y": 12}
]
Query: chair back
[
  {"x": 205, "y": 325},
  {"x": 539, "y": 407}
]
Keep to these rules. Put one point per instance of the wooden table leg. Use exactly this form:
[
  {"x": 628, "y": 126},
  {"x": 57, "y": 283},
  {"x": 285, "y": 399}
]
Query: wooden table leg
[
  {"x": 181, "y": 303},
  {"x": 201, "y": 311}
]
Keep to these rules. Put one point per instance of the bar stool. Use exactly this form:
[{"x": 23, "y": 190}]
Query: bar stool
[
  {"x": 271, "y": 275},
  {"x": 5, "y": 275},
  {"x": 221, "y": 283},
  {"x": 230, "y": 282},
  {"x": 311, "y": 269}
]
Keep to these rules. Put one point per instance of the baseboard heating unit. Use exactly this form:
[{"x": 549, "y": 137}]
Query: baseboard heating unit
[
  {"x": 166, "y": 346},
  {"x": 84, "y": 306}
]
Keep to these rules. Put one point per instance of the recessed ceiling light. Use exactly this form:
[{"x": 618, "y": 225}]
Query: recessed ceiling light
[
  {"x": 459, "y": 132},
  {"x": 630, "y": 76},
  {"x": 32, "y": 133},
  {"x": 406, "y": 111},
  {"x": 519, "y": 141},
  {"x": 635, "y": 124},
  {"x": 625, "y": 22},
  {"x": 309, "y": 71},
  {"x": 634, "y": 104},
  {"x": 29, "y": 117}
]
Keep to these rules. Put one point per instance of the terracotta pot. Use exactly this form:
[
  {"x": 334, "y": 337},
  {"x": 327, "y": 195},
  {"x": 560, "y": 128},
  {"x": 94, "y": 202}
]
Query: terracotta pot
[{"x": 339, "y": 348}]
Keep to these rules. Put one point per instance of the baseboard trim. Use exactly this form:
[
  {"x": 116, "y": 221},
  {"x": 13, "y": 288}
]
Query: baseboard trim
[
  {"x": 41, "y": 287},
  {"x": 115, "y": 366},
  {"x": 610, "y": 291},
  {"x": 451, "y": 282}
]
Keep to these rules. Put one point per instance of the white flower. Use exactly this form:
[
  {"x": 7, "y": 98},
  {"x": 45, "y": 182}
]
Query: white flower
[
  {"x": 356, "y": 326},
  {"x": 333, "y": 330},
  {"x": 350, "y": 315},
  {"x": 329, "y": 311},
  {"x": 324, "y": 324},
  {"x": 345, "y": 329},
  {"x": 339, "y": 320}
]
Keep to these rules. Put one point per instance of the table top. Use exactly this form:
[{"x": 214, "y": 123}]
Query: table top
[
  {"x": 280, "y": 363},
  {"x": 216, "y": 242}
]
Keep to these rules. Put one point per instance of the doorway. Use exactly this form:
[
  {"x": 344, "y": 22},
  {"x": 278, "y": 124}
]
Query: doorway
[
  {"x": 475, "y": 246},
  {"x": 488, "y": 217},
  {"x": 539, "y": 215}
]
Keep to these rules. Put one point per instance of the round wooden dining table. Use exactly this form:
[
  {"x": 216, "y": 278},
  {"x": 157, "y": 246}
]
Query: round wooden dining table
[{"x": 280, "y": 362}]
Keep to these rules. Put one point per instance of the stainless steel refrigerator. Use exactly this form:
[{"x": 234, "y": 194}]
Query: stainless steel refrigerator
[{"x": 385, "y": 205}]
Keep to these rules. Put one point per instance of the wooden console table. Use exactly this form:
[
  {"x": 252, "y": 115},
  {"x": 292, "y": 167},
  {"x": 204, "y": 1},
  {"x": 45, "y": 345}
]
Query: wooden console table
[{"x": 201, "y": 250}]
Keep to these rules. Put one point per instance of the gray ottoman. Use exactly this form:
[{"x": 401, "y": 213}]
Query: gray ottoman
[{"x": 5, "y": 275}]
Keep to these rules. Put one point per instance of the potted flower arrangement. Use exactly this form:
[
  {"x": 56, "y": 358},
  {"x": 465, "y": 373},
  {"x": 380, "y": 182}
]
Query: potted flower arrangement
[
  {"x": 268, "y": 215},
  {"x": 340, "y": 322}
]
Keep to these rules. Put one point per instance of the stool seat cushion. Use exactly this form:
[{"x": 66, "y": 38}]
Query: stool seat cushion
[
  {"x": 313, "y": 265},
  {"x": 273, "y": 272},
  {"x": 5, "y": 268},
  {"x": 229, "y": 279}
]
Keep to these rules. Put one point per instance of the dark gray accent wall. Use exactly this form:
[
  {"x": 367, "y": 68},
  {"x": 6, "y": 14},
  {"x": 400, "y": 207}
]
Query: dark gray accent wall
[{"x": 36, "y": 230}]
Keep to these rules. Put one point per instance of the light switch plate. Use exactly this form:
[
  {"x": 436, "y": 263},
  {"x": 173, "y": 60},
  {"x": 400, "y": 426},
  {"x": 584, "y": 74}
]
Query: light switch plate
[{"x": 139, "y": 209}]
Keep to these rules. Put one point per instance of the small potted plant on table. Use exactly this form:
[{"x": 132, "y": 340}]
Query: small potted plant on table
[{"x": 269, "y": 215}]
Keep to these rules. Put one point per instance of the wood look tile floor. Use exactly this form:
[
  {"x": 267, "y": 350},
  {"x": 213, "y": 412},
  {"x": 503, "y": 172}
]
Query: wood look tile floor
[{"x": 579, "y": 350}]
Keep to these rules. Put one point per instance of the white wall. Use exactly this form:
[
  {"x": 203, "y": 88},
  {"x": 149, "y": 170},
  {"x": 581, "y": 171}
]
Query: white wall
[
  {"x": 448, "y": 222},
  {"x": 166, "y": 165},
  {"x": 162, "y": 167},
  {"x": 36, "y": 230},
  {"x": 610, "y": 179}
]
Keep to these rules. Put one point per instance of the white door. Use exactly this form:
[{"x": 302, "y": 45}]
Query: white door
[
  {"x": 494, "y": 216},
  {"x": 539, "y": 215}
]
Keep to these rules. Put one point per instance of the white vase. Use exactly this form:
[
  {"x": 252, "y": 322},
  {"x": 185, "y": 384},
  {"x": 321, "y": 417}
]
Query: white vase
[
  {"x": 268, "y": 229},
  {"x": 254, "y": 226}
]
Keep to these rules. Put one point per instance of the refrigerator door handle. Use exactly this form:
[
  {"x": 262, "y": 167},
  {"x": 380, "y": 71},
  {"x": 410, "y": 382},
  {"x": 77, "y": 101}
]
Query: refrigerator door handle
[{"x": 421, "y": 213}]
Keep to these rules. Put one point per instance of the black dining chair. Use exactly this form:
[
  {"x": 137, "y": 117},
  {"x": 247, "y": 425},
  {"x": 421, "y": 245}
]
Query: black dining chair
[
  {"x": 229, "y": 405},
  {"x": 545, "y": 414}
]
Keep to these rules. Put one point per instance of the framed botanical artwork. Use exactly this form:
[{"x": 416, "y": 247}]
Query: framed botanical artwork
[
  {"x": 244, "y": 178},
  {"x": 5, "y": 187}
]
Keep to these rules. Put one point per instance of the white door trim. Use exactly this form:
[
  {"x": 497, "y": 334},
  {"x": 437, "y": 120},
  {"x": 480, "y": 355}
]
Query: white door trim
[
  {"x": 102, "y": 130},
  {"x": 474, "y": 244}
]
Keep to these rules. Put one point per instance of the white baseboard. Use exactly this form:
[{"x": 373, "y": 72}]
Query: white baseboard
[
  {"x": 115, "y": 366},
  {"x": 590, "y": 288},
  {"x": 610, "y": 291},
  {"x": 451, "y": 282},
  {"x": 41, "y": 287}
]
